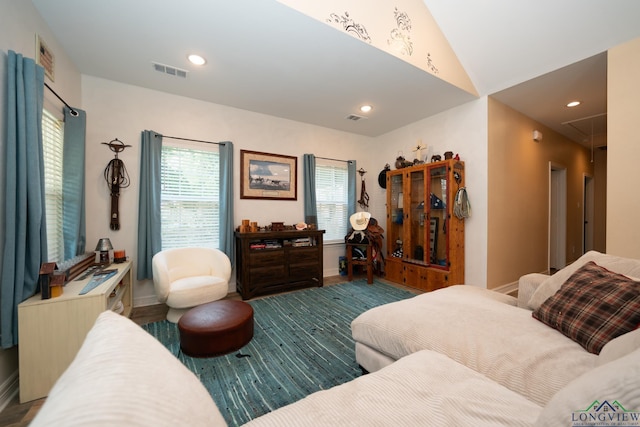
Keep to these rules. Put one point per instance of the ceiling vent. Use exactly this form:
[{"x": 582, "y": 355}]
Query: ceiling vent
[
  {"x": 354, "y": 117},
  {"x": 168, "y": 69}
]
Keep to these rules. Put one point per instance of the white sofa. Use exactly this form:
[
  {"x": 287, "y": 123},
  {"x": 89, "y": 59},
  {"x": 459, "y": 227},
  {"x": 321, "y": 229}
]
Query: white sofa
[{"x": 456, "y": 356}]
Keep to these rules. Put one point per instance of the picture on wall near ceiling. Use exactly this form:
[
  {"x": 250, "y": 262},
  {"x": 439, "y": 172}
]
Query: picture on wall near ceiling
[
  {"x": 45, "y": 57},
  {"x": 268, "y": 176}
]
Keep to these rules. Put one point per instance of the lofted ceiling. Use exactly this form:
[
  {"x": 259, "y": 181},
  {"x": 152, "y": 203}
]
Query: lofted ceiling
[{"x": 266, "y": 57}]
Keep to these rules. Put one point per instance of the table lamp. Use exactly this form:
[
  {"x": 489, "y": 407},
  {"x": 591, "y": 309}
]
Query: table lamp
[{"x": 103, "y": 247}]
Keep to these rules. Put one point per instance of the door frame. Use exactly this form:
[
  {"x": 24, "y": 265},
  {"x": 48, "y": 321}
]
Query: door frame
[
  {"x": 588, "y": 212},
  {"x": 557, "y": 219}
]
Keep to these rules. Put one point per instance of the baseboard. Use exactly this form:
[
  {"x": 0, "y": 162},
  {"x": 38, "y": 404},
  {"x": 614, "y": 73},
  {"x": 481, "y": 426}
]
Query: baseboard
[
  {"x": 9, "y": 389},
  {"x": 508, "y": 289},
  {"x": 145, "y": 301},
  {"x": 331, "y": 272}
]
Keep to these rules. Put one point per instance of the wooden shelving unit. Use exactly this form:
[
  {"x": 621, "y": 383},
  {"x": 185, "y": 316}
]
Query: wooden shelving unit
[
  {"x": 51, "y": 331},
  {"x": 425, "y": 240}
]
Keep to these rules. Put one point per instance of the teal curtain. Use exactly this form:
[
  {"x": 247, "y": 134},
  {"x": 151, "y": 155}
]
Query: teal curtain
[
  {"x": 74, "y": 222},
  {"x": 351, "y": 189},
  {"x": 25, "y": 233},
  {"x": 227, "y": 240},
  {"x": 309, "y": 178},
  {"x": 149, "y": 221}
]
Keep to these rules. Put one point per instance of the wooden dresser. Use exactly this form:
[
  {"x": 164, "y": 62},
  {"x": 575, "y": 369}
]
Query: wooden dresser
[{"x": 268, "y": 262}]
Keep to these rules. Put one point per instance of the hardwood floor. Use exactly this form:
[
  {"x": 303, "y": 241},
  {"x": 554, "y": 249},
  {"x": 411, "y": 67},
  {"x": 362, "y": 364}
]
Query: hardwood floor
[{"x": 20, "y": 415}]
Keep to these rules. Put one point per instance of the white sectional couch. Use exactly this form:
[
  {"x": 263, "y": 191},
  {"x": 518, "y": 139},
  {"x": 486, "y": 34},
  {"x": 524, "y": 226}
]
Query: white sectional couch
[
  {"x": 457, "y": 356},
  {"x": 497, "y": 335}
]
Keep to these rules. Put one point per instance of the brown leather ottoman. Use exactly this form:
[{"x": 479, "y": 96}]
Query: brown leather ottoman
[{"x": 216, "y": 328}]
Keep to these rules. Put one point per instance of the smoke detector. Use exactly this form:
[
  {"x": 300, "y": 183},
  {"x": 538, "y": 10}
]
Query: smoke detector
[{"x": 168, "y": 69}]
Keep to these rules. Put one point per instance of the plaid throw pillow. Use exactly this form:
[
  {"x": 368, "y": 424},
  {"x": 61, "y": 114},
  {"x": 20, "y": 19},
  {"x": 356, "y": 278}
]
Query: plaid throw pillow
[{"x": 593, "y": 307}]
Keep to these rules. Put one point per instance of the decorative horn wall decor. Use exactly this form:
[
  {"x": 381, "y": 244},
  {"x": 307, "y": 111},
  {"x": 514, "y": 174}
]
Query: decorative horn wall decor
[{"x": 117, "y": 177}]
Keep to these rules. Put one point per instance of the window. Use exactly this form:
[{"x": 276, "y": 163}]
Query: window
[
  {"x": 332, "y": 198},
  {"x": 190, "y": 206},
  {"x": 52, "y": 143}
]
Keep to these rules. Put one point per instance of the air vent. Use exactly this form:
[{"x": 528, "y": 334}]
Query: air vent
[
  {"x": 168, "y": 69},
  {"x": 354, "y": 117}
]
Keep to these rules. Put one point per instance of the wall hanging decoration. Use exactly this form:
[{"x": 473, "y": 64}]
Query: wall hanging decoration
[
  {"x": 268, "y": 176},
  {"x": 382, "y": 176},
  {"x": 418, "y": 150},
  {"x": 364, "y": 197},
  {"x": 117, "y": 177},
  {"x": 45, "y": 57}
]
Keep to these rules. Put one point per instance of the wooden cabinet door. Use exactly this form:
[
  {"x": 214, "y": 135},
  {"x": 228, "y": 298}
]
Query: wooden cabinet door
[
  {"x": 437, "y": 279},
  {"x": 415, "y": 276},
  {"x": 393, "y": 269}
]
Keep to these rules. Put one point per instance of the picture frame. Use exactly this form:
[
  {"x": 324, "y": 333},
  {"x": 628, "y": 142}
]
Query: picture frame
[
  {"x": 268, "y": 176},
  {"x": 45, "y": 57}
]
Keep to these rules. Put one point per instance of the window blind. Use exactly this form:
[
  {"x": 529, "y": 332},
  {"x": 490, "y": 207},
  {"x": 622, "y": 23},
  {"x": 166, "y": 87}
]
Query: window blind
[
  {"x": 190, "y": 201},
  {"x": 331, "y": 199},
  {"x": 52, "y": 144}
]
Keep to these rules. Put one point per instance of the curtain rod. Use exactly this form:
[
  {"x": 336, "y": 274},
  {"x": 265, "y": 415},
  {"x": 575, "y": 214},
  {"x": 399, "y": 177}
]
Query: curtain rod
[
  {"x": 73, "y": 112},
  {"x": 189, "y": 139},
  {"x": 335, "y": 160}
]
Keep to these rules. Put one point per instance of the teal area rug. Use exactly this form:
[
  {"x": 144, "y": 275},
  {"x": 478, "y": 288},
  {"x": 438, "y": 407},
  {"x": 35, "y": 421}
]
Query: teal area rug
[{"x": 302, "y": 343}]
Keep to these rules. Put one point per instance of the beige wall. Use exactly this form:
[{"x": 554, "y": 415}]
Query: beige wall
[
  {"x": 518, "y": 194},
  {"x": 623, "y": 178},
  {"x": 600, "y": 190}
]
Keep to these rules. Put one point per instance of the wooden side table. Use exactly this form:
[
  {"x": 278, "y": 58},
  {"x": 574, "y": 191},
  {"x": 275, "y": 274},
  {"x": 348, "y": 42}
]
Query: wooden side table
[{"x": 367, "y": 262}]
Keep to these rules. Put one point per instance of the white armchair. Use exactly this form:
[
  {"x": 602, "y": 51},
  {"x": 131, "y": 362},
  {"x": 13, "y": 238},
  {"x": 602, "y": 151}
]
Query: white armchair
[{"x": 186, "y": 277}]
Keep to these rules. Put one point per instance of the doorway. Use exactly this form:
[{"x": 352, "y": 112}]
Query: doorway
[
  {"x": 588, "y": 214},
  {"x": 557, "y": 216}
]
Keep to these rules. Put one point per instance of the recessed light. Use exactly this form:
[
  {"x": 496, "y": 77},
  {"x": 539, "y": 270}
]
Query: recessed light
[
  {"x": 197, "y": 59},
  {"x": 573, "y": 104},
  {"x": 365, "y": 108}
]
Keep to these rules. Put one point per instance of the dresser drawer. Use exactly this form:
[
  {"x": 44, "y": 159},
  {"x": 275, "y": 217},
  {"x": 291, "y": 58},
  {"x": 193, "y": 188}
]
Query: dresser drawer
[
  {"x": 303, "y": 255},
  {"x": 262, "y": 276},
  {"x": 266, "y": 257},
  {"x": 303, "y": 271}
]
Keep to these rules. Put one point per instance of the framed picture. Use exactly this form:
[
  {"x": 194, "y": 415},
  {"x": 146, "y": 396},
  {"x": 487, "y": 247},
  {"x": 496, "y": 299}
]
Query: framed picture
[
  {"x": 268, "y": 176},
  {"x": 45, "y": 58}
]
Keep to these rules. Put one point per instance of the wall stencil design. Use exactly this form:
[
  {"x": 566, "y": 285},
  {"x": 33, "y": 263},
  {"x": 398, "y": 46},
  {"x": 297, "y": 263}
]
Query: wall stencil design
[
  {"x": 430, "y": 65},
  {"x": 400, "y": 38},
  {"x": 350, "y": 26}
]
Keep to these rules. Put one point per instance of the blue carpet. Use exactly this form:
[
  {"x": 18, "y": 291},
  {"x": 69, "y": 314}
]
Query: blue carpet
[{"x": 302, "y": 343}]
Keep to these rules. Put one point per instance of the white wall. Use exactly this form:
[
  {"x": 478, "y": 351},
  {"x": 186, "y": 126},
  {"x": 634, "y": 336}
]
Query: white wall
[
  {"x": 462, "y": 130},
  {"x": 116, "y": 110}
]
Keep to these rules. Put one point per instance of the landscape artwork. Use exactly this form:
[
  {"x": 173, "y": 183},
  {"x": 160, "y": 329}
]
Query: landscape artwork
[{"x": 267, "y": 176}]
